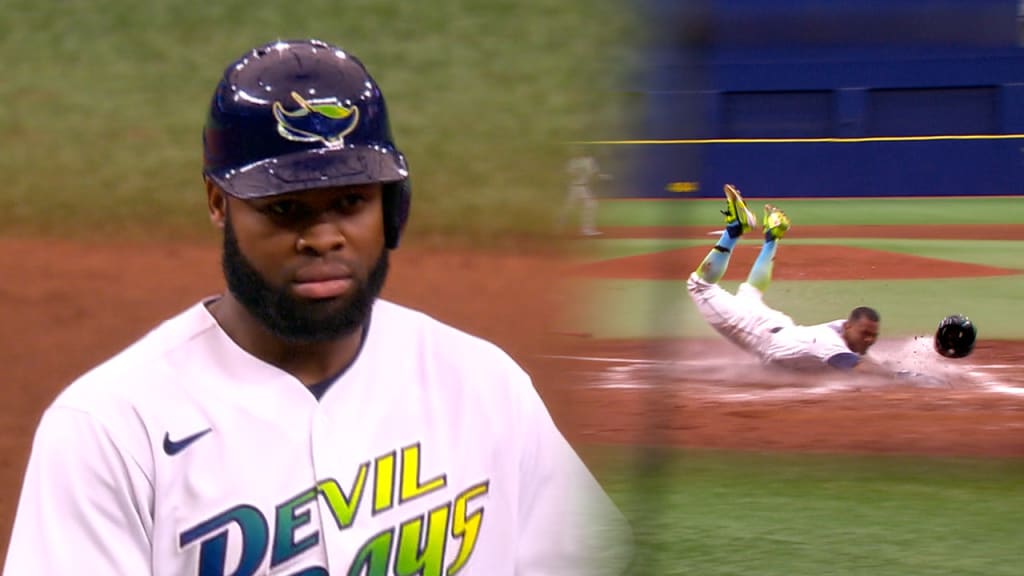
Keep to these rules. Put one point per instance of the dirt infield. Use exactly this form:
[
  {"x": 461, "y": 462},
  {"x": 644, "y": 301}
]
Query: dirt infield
[
  {"x": 794, "y": 263},
  {"x": 66, "y": 306}
]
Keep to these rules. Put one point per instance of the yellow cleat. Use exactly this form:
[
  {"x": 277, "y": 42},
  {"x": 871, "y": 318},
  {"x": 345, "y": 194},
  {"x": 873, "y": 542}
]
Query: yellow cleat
[
  {"x": 738, "y": 211},
  {"x": 776, "y": 223}
]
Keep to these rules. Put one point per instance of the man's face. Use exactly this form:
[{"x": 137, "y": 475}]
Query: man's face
[
  {"x": 860, "y": 334},
  {"x": 307, "y": 265}
]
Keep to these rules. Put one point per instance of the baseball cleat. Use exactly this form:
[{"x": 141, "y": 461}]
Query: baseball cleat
[
  {"x": 776, "y": 223},
  {"x": 738, "y": 211}
]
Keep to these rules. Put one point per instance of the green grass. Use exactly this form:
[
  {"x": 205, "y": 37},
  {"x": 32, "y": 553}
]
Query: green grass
[
  {"x": 735, "y": 513},
  {"x": 104, "y": 102},
  {"x": 820, "y": 211}
]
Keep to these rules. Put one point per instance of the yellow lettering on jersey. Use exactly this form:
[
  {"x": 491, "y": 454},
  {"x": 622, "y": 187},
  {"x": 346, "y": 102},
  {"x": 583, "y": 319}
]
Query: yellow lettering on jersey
[
  {"x": 344, "y": 506},
  {"x": 373, "y": 556},
  {"x": 466, "y": 527},
  {"x": 418, "y": 555},
  {"x": 384, "y": 483},
  {"x": 411, "y": 486},
  {"x": 417, "y": 546}
]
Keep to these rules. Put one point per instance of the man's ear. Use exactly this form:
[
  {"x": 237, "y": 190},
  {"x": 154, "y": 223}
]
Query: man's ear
[{"x": 217, "y": 203}]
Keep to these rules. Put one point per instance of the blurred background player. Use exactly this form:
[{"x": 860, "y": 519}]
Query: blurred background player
[{"x": 583, "y": 170}]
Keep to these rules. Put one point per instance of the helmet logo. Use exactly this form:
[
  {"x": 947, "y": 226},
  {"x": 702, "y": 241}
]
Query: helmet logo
[{"x": 326, "y": 121}]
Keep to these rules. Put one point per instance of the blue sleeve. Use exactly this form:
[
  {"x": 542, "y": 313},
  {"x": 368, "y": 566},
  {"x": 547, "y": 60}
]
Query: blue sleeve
[{"x": 844, "y": 361}]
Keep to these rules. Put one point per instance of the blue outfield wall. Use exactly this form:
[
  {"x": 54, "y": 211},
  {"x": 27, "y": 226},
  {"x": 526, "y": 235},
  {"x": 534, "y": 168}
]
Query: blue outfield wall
[
  {"x": 942, "y": 168},
  {"x": 794, "y": 113}
]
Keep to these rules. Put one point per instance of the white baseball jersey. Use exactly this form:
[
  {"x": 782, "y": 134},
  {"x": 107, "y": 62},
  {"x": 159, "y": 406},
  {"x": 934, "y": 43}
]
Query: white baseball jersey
[
  {"x": 582, "y": 171},
  {"x": 744, "y": 319},
  {"x": 806, "y": 347},
  {"x": 184, "y": 455}
]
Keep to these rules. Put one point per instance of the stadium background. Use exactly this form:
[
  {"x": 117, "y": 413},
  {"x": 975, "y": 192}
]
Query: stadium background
[{"x": 105, "y": 235}]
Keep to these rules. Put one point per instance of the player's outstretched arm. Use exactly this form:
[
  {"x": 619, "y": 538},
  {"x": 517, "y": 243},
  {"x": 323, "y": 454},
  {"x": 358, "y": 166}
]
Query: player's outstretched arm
[
  {"x": 873, "y": 367},
  {"x": 82, "y": 505},
  {"x": 855, "y": 363}
]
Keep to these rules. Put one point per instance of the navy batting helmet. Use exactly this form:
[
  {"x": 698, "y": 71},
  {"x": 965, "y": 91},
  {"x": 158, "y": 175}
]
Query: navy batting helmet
[
  {"x": 954, "y": 338},
  {"x": 296, "y": 115}
]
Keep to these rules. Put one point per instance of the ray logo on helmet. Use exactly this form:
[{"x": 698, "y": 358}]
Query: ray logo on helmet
[{"x": 327, "y": 121}]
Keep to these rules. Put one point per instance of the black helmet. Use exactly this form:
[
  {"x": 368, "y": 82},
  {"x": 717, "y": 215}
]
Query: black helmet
[
  {"x": 296, "y": 115},
  {"x": 955, "y": 336}
]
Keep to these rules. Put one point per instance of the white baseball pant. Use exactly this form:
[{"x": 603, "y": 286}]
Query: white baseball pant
[{"x": 742, "y": 318}]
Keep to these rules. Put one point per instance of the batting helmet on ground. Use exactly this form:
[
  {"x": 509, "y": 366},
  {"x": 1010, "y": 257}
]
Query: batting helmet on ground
[
  {"x": 296, "y": 115},
  {"x": 955, "y": 336}
]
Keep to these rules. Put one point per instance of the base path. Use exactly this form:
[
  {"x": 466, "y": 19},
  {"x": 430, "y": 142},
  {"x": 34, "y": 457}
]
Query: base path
[{"x": 710, "y": 394}]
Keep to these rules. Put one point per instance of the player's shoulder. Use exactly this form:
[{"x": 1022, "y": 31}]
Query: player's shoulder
[
  {"x": 417, "y": 324},
  {"x": 836, "y": 325},
  {"x": 449, "y": 362},
  {"x": 131, "y": 373},
  {"x": 832, "y": 328},
  {"x": 828, "y": 339},
  {"x": 407, "y": 327}
]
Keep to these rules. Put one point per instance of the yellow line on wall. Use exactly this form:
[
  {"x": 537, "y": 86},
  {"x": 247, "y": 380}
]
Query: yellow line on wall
[{"x": 811, "y": 140}]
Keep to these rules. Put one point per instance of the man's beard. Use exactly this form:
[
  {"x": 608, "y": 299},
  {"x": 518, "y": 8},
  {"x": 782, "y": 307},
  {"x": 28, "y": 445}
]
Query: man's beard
[{"x": 291, "y": 318}]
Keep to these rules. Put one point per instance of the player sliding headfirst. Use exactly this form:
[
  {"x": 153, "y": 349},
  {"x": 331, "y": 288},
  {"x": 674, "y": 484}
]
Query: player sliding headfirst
[{"x": 745, "y": 320}]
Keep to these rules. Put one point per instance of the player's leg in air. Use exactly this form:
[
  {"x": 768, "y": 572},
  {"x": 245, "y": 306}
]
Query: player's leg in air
[
  {"x": 738, "y": 219},
  {"x": 722, "y": 310},
  {"x": 775, "y": 225}
]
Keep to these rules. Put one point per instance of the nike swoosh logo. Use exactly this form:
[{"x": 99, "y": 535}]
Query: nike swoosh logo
[{"x": 172, "y": 447}]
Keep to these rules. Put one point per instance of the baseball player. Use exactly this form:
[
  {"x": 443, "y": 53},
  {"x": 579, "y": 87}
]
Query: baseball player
[
  {"x": 745, "y": 320},
  {"x": 582, "y": 170},
  {"x": 297, "y": 424}
]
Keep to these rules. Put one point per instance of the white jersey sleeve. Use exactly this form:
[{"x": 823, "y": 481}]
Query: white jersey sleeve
[
  {"x": 83, "y": 504},
  {"x": 807, "y": 347},
  {"x": 569, "y": 525}
]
